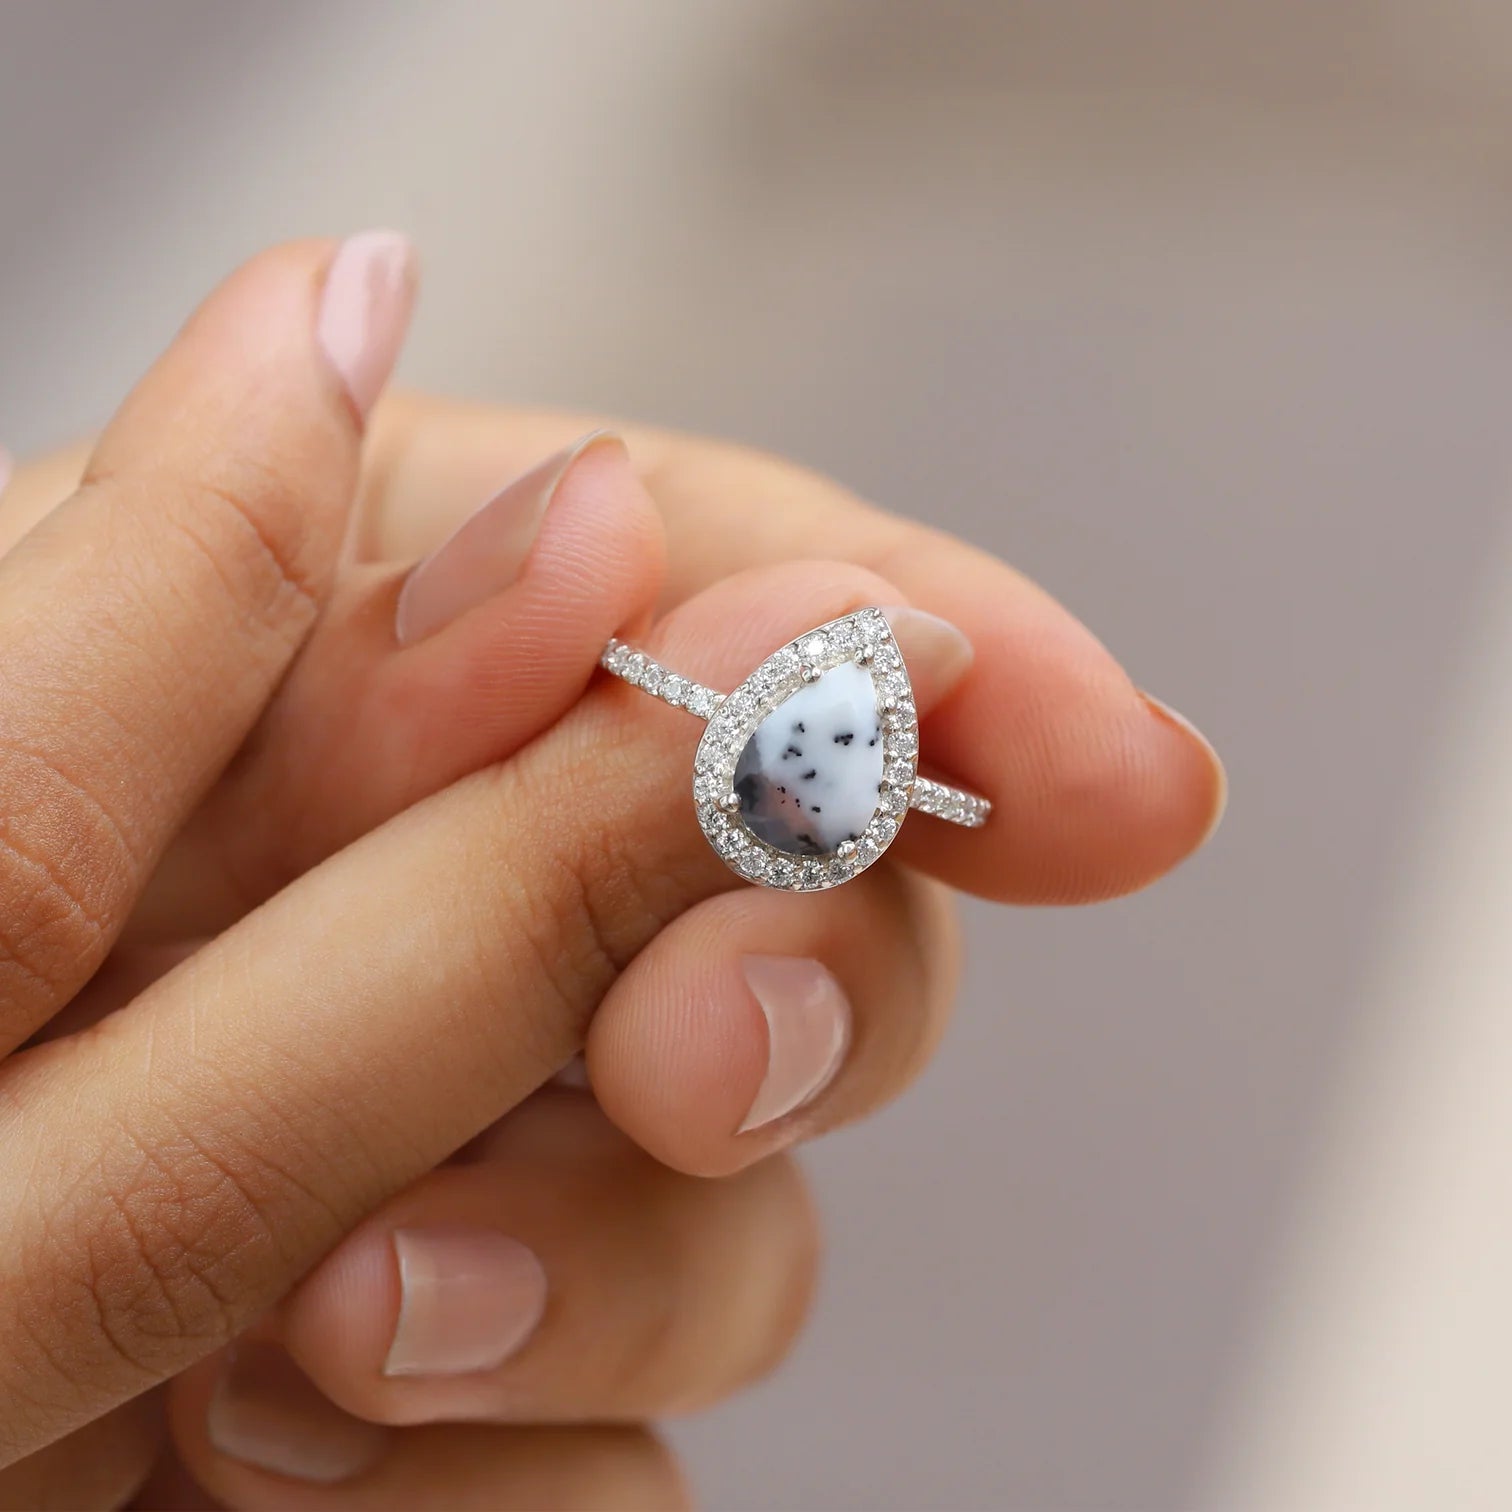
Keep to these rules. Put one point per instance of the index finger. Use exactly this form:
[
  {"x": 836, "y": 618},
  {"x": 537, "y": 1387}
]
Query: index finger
[
  {"x": 336, "y": 1043},
  {"x": 1098, "y": 788}
]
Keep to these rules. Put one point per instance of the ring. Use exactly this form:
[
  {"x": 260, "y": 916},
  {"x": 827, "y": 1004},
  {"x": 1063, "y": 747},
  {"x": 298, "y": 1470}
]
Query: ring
[{"x": 806, "y": 771}]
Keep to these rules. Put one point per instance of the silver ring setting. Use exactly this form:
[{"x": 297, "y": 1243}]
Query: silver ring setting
[{"x": 806, "y": 770}]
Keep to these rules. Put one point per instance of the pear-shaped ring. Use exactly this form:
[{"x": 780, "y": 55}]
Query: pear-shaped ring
[{"x": 807, "y": 769}]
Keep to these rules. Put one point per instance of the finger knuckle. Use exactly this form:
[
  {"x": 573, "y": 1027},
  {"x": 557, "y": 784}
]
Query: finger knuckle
[
  {"x": 233, "y": 529},
  {"x": 62, "y": 859},
  {"x": 157, "y": 1243},
  {"x": 244, "y": 522},
  {"x": 573, "y": 920}
]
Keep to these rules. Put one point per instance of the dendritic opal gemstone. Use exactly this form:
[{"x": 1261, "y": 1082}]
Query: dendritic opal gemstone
[{"x": 808, "y": 778}]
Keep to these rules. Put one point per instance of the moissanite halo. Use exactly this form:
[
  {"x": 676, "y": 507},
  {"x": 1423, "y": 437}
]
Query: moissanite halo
[{"x": 808, "y": 768}]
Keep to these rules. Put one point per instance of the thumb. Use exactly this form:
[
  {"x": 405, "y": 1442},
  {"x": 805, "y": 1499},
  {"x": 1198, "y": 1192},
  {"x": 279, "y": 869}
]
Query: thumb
[{"x": 417, "y": 676}]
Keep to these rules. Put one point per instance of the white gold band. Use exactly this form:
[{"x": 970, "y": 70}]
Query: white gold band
[{"x": 643, "y": 672}]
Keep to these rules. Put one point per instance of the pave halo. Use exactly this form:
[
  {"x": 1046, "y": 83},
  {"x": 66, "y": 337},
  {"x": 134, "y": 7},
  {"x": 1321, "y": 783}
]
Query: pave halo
[{"x": 808, "y": 768}]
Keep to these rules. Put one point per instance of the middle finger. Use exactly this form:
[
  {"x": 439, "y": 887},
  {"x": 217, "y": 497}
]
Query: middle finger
[{"x": 350, "y": 1034}]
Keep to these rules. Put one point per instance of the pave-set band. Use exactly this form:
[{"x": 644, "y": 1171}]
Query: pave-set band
[{"x": 807, "y": 769}]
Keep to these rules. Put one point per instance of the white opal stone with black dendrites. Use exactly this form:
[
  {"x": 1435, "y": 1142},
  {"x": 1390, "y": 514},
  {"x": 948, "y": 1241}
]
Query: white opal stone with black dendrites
[{"x": 808, "y": 777}]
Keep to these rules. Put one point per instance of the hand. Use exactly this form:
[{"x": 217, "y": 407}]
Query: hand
[{"x": 1096, "y": 793}]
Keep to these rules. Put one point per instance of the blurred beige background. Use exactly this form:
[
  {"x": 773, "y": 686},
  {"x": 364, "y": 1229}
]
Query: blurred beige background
[{"x": 1200, "y": 313}]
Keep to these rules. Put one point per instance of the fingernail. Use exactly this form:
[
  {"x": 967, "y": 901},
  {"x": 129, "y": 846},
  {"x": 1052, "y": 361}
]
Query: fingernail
[
  {"x": 6, "y": 468},
  {"x": 365, "y": 310},
  {"x": 573, "y": 1075},
  {"x": 469, "y": 1298},
  {"x": 1220, "y": 774},
  {"x": 486, "y": 552},
  {"x": 265, "y": 1412},
  {"x": 808, "y": 1030},
  {"x": 938, "y": 653}
]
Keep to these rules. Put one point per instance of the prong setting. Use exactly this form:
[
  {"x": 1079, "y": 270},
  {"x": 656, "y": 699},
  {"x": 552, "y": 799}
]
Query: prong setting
[{"x": 865, "y": 639}]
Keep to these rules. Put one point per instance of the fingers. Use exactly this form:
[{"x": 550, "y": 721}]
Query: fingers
[
  {"x": 1098, "y": 789},
  {"x": 517, "y": 605},
  {"x": 443, "y": 1468},
  {"x": 758, "y": 1018},
  {"x": 145, "y": 622},
  {"x": 560, "y": 1275},
  {"x": 415, "y": 677},
  {"x": 370, "y": 1019}
]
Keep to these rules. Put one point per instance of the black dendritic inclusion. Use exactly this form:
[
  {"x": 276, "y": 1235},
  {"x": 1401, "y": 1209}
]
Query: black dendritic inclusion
[{"x": 773, "y": 811}]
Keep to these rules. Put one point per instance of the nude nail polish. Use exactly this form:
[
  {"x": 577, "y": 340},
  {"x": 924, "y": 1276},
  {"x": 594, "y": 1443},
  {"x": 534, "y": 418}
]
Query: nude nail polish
[
  {"x": 1220, "y": 772},
  {"x": 365, "y": 310},
  {"x": 486, "y": 553},
  {"x": 808, "y": 1032},
  {"x": 469, "y": 1299},
  {"x": 938, "y": 653}
]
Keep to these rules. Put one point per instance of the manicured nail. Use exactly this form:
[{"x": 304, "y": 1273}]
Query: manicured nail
[
  {"x": 938, "y": 653},
  {"x": 1220, "y": 775},
  {"x": 7, "y": 466},
  {"x": 808, "y": 1030},
  {"x": 486, "y": 552},
  {"x": 469, "y": 1298},
  {"x": 265, "y": 1412},
  {"x": 365, "y": 311}
]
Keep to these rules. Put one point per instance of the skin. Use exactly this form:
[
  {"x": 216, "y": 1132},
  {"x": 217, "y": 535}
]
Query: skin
[{"x": 430, "y": 875}]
